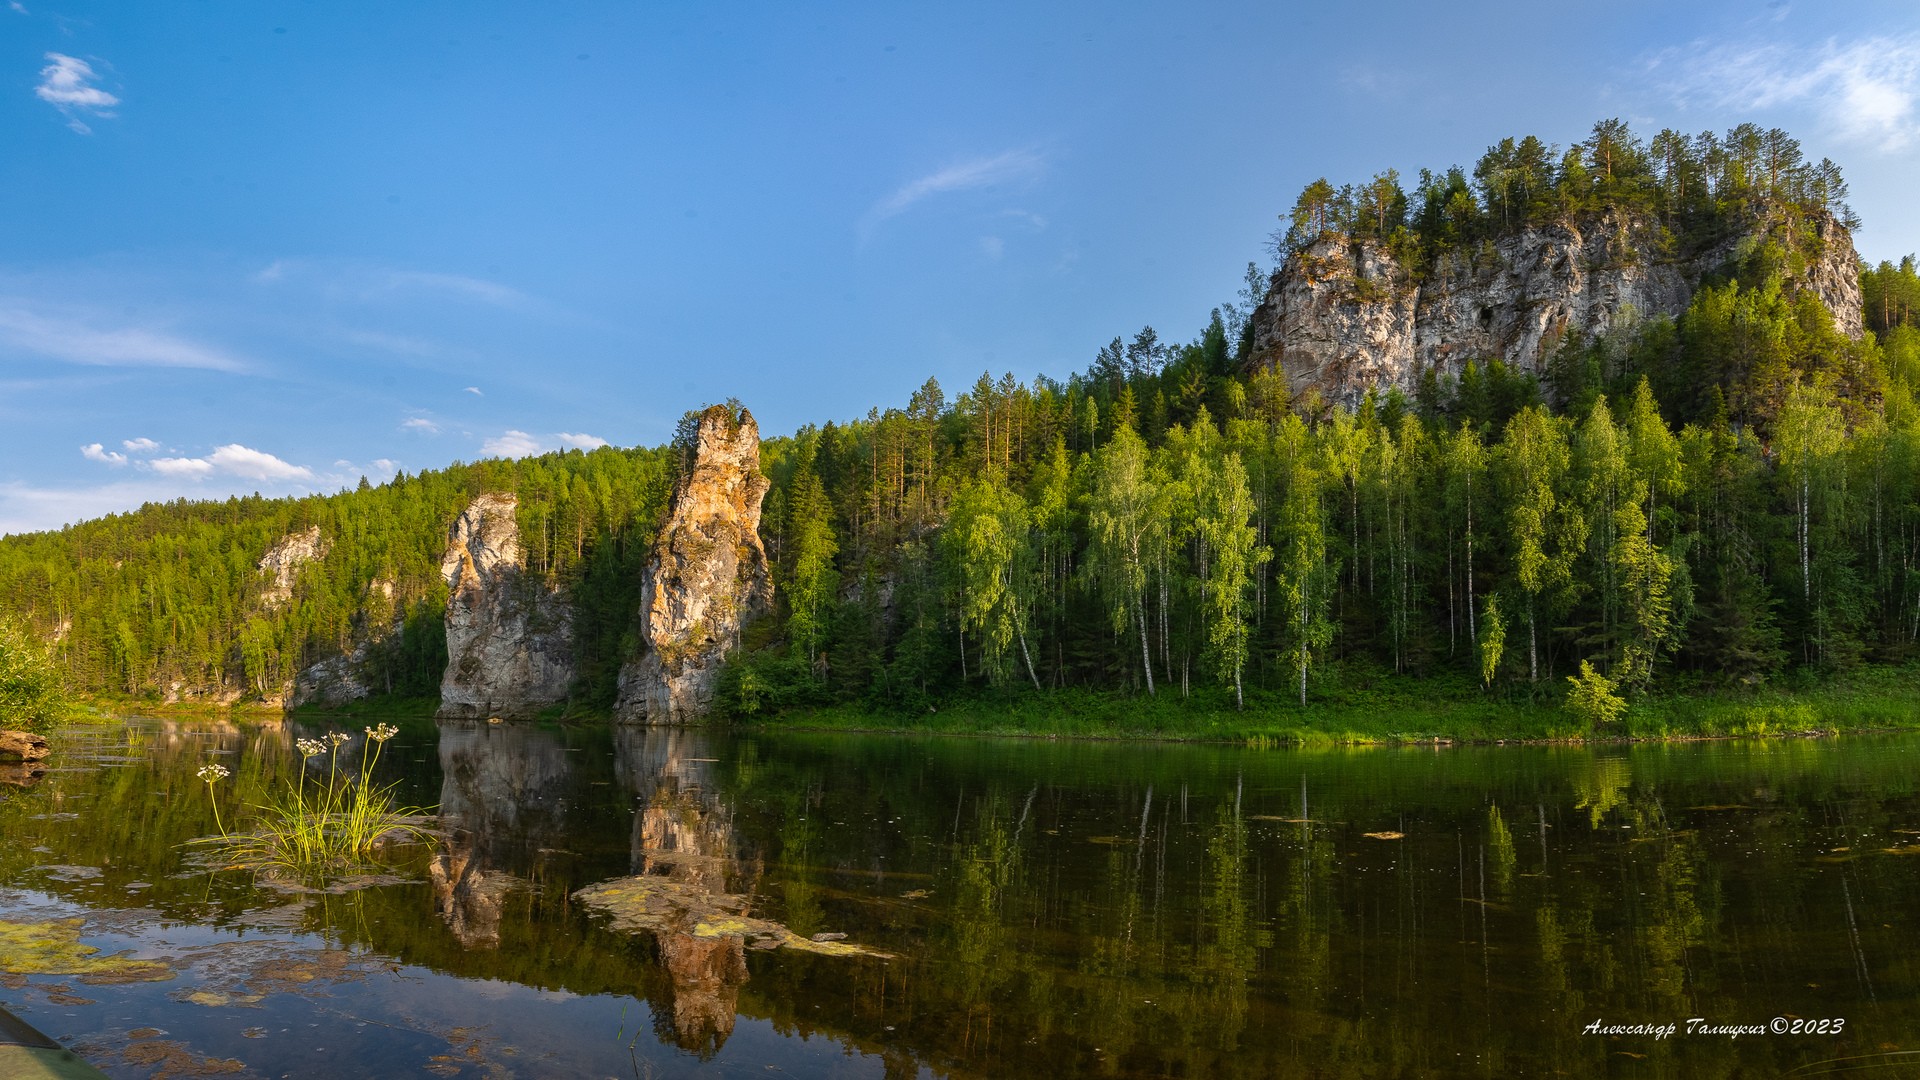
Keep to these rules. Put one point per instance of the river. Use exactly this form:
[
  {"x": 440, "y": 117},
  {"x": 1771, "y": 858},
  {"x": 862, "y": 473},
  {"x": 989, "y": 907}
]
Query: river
[{"x": 1010, "y": 908}]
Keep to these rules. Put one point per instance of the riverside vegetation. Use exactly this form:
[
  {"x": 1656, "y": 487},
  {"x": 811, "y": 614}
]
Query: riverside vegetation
[
  {"x": 337, "y": 827},
  {"x": 1698, "y": 523}
]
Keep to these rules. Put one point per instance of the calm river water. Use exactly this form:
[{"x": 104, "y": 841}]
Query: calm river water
[{"x": 1044, "y": 909}]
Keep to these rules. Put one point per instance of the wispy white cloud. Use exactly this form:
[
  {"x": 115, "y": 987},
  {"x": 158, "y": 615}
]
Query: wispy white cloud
[
  {"x": 1867, "y": 90},
  {"x": 1009, "y": 167},
  {"x": 513, "y": 444},
  {"x": 420, "y": 424},
  {"x": 397, "y": 344},
  {"x": 371, "y": 284},
  {"x": 66, "y": 83},
  {"x": 580, "y": 442},
  {"x": 99, "y": 453},
  {"x": 992, "y": 246},
  {"x": 471, "y": 288},
  {"x": 17, "y": 6},
  {"x": 76, "y": 339},
  {"x": 24, "y": 508},
  {"x": 475, "y": 391},
  {"x": 140, "y": 445}
]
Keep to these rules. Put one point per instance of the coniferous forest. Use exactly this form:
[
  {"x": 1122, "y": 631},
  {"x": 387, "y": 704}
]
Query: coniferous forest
[{"x": 1715, "y": 500}]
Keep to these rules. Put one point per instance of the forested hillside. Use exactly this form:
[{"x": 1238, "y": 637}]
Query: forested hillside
[
  {"x": 170, "y": 600},
  {"x": 1714, "y": 499}
]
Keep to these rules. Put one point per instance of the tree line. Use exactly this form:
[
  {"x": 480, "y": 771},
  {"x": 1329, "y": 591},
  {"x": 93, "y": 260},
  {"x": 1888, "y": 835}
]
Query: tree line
[
  {"x": 1698, "y": 187},
  {"x": 1720, "y": 498}
]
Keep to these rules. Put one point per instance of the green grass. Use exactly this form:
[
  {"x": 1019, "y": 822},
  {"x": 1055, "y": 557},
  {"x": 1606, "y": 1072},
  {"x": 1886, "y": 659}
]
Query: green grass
[
  {"x": 313, "y": 828},
  {"x": 1381, "y": 709}
]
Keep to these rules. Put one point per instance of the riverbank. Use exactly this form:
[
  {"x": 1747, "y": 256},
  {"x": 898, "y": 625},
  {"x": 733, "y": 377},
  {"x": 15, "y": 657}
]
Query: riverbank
[
  {"x": 1388, "y": 710},
  {"x": 1398, "y": 710}
]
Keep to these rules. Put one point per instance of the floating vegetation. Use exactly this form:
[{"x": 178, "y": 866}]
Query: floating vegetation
[
  {"x": 53, "y": 947},
  {"x": 336, "y": 827},
  {"x": 658, "y": 905},
  {"x": 1385, "y": 835}
]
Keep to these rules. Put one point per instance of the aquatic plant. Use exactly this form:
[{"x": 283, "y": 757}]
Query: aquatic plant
[
  {"x": 213, "y": 774},
  {"x": 338, "y": 826}
]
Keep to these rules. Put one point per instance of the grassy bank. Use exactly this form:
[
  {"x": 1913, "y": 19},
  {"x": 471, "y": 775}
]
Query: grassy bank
[
  {"x": 1370, "y": 710},
  {"x": 1395, "y": 710}
]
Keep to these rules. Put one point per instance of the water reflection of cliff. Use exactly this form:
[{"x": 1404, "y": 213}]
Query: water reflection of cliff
[
  {"x": 504, "y": 787},
  {"x": 683, "y": 833}
]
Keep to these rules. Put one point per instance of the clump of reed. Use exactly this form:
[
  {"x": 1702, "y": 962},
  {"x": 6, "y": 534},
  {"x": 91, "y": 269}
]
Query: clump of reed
[{"x": 312, "y": 827}]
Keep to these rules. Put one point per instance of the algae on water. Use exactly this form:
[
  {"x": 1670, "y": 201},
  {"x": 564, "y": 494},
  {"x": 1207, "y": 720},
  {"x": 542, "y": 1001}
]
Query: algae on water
[
  {"x": 53, "y": 948},
  {"x": 662, "y": 906}
]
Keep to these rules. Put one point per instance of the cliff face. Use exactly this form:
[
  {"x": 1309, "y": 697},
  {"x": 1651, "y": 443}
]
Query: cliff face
[
  {"x": 509, "y": 638},
  {"x": 1344, "y": 316},
  {"x": 707, "y": 578},
  {"x": 282, "y": 563}
]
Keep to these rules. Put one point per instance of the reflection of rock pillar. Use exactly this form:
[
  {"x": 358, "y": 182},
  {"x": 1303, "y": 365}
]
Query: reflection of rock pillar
[
  {"x": 707, "y": 973},
  {"x": 467, "y": 896},
  {"x": 498, "y": 781},
  {"x": 684, "y": 833}
]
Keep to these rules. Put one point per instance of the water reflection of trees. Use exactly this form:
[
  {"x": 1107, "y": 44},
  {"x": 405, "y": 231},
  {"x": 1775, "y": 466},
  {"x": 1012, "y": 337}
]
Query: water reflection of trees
[{"x": 1143, "y": 915}]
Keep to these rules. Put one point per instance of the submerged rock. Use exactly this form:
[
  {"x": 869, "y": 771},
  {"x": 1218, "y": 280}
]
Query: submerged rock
[
  {"x": 509, "y": 635},
  {"x": 22, "y": 746},
  {"x": 661, "y": 905},
  {"x": 707, "y": 578}
]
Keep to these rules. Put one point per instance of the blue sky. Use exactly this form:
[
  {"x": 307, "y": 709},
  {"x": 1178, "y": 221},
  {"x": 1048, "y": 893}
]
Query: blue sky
[{"x": 274, "y": 247}]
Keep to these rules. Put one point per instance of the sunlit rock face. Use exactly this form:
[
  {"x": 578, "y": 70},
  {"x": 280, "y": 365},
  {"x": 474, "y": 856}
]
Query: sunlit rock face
[
  {"x": 503, "y": 787},
  {"x": 282, "y": 563},
  {"x": 509, "y": 636},
  {"x": 708, "y": 576},
  {"x": 1345, "y": 316}
]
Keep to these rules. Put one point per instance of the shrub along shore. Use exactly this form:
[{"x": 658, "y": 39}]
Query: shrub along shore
[{"x": 1391, "y": 710}]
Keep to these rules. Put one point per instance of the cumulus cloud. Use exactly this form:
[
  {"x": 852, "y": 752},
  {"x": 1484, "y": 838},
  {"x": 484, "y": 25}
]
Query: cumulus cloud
[
  {"x": 985, "y": 172},
  {"x": 420, "y": 424},
  {"x": 1867, "y": 90},
  {"x": 232, "y": 459},
  {"x": 237, "y": 460},
  {"x": 513, "y": 444},
  {"x": 66, "y": 83},
  {"x": 140, "y": 446},
  {"x": 99, "y": 453},
  {"x": 76, "y": 339}
]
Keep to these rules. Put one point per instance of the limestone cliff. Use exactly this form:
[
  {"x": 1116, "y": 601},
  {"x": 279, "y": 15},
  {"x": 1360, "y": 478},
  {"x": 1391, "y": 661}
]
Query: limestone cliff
[
  {"x": 1344, "y": 316},
  {"x": 707, "y": 578},
  {"x": 282, "y": 563},
  {"x": 509, "y": 636}
]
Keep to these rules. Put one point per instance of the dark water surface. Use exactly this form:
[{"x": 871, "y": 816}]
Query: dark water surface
[{"x": 1050, "y": 909}]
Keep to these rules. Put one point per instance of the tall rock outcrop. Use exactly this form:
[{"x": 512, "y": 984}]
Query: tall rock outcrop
[
  {"x": 1344, "y": 315},
  {"x": 708, "y": 576},
  {"x": 282, "y": 563},
  {"x": 509, "y": 637}
]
